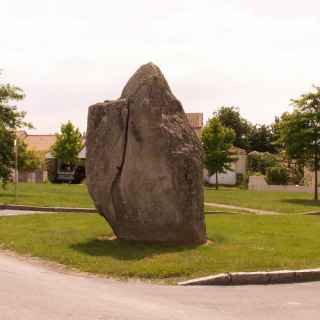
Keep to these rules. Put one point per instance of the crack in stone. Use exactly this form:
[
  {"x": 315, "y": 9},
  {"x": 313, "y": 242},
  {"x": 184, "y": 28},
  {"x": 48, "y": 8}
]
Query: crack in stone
[
  {"x": 125, "y": 137},
  {"x": 115, "y": 194}
]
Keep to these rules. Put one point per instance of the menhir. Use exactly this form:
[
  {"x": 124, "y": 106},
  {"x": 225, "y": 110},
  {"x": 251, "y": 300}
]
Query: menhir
[{"x": 144, "y": 164}]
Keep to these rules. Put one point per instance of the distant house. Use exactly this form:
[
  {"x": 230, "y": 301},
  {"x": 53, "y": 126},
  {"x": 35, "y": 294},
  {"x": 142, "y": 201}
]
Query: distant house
[
  {"x": 52, "y": 169},
  {"x": 37, "y": 142},
  {"x": 41, "y": 144},
  {"x": 238, "y": 172}
]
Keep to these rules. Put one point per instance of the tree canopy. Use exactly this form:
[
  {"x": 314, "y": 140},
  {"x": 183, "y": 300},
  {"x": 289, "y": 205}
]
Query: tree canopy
[
  {"x": 28, "y": 160},
  {"x": 300, "y": 132},
  {"x": 262, "y": 139},
  {"x": 68, "y": 145},
  {"x": 217, "y": 141},
  {"x": 11, "y": 120},
  {"x": 230, "y": 118}
]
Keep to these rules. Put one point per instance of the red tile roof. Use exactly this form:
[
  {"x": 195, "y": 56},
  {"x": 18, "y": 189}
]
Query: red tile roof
[{"x": 195, "y": 120}]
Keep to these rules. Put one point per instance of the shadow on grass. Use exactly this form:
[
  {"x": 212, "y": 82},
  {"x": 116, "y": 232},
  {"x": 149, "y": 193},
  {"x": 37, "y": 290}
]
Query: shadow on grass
[
  {"x": 302, "y": 202},
  {"x": 126, "y": 250}
]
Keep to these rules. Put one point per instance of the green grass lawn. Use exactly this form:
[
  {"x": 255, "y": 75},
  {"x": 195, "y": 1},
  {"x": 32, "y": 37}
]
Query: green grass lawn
[
  {"x": 238, "y": 243},
  {"x": 47, "y": 195},
  {"x": 284, "y": 202},
  {"x": 64, "y": 195}
]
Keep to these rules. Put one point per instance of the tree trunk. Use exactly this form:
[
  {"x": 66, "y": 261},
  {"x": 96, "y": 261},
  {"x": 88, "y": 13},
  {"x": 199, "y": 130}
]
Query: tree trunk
[
  {"x": 316, "y": 177},
  {"x": 217, "y": 183}
]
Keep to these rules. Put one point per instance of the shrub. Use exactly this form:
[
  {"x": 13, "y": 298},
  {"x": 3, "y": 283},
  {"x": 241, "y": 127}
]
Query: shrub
[
  {"x": 261, "y": 161},
  {"x": 277, "y": 176}
]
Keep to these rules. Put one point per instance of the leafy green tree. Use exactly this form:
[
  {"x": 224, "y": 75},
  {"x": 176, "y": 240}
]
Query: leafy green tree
[
  {"x": 262, "y": 139},
  {"x": 68, "y": 145},
  {"x": 261, "y": 161},
  {"x": 300, "y": 132},
  {"x": 28, "y": 160},
  {"x": 275, "y": 129},
  {"x": 10, "y": 121},
  {"x": 217, "y": 141},
  {"x": 230, "y": 118}
]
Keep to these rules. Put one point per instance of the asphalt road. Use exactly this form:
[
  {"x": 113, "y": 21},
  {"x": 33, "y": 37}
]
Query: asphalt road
[{"x": 32, "y": 291}]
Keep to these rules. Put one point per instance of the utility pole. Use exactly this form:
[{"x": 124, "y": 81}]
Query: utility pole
[{"x": 16, "y": 180}]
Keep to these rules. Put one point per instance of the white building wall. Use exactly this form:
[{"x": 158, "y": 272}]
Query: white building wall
[
  {"x": 239, "y": 166},
  {"x": 228, "y": 178}
]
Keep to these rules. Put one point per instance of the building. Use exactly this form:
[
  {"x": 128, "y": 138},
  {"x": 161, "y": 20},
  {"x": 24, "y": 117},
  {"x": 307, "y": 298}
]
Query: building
[
  {"x": 238, "y": 169},
  {"x": 41, "y": 144},
  {"x": 37, "y": 142}
]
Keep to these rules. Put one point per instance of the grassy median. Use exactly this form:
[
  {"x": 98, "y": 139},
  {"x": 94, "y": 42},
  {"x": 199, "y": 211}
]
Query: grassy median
[
  {"x": 282, "y": 202},
  {"x": 237, "y": 243},
  {"x": 64, "y": 195},
  {"x": 47, "y": 195}
]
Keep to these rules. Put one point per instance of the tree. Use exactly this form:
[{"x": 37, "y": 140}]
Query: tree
[
  {"x": 230, "y": 118},
  {"x": 68, "y": 145},
  {"x": 261, "y": 161},
  {"x": 10, "y": 121},
  {"x": 300, "y": 131},
  {"x": 217, "y": 141},
  {"x": 28, "y": 160},
  {"x": 261, "y": 139},
  {"x": 275, "y": 135}
]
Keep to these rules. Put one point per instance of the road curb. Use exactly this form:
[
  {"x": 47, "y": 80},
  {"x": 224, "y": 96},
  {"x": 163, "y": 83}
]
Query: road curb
[
  {"x": 256, "y": 278},
  {"x": 46, "y": 209},
  {"x": 312, "y": 213}
]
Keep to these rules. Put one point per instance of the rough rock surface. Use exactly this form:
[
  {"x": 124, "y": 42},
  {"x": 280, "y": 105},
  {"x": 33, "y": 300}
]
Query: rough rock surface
[{"x": 144, "y": 166}]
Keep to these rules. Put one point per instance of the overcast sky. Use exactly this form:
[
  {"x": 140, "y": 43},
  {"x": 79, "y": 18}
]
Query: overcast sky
[{"x": 69, "y": 54}]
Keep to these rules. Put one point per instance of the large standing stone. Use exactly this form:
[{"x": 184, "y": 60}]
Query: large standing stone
[{"x": 144, "y": 166}]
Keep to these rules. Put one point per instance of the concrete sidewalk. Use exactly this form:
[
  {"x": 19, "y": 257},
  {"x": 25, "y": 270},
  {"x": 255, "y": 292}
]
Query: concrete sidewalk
[
  {"x": 6, "y": 213},
  {"x": 231, "y": 207}
]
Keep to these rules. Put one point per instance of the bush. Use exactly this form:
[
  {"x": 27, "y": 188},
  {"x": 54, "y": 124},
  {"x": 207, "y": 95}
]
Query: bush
[
  {"x": 260, "y": 161},
  {"x": 277, "y": 176}
]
